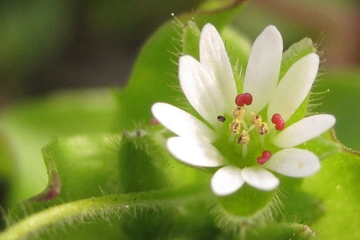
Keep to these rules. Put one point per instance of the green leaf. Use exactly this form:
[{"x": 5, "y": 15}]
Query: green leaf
[
  {"x": 145, "y": 165},
  {"x": 86, "y": 167},
  {"x": 190, "y": 39},
  {"x": 294, "y": 53},
  {"x": 337, "y": 185},
  {"x": 247, "y": 202},
  {"x": 154, "y": 76},
  {"x": 78, "y": 167},
  {"x": 138, "y": 163},
  {"x": 29, "y": 126}
]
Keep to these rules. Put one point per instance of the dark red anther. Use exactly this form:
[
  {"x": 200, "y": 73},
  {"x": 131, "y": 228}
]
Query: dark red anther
[
  {"x": 221, "y": 118},
  {"x": 266, "y": 155},
  {"x": 243, "y": 99},
  {"x": 278, "y": 121}
]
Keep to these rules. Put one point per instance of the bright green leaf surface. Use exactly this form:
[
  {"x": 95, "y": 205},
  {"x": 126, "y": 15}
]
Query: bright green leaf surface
[
  {"x": 79, "y": 167},
  {"x": 337, "y": 185},
  {"x": 30, "y": 126},
  {"x": 85, "y": 179}
]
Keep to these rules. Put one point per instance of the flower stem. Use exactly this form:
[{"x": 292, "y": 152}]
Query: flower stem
[{"x": 98, "y": 206}]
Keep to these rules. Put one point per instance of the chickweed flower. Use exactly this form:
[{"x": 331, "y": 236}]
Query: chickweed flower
[{"x": 245, "y": 136}]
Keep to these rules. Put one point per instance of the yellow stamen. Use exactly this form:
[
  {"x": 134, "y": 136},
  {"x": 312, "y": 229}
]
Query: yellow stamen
[
  {"x": 263, "y": 128},
  {"x": 235, "y": 126},
  {"x": 244, "y": 138},
  {"x": 239, "y": 113},
  {"x": 255, "y": 120}
]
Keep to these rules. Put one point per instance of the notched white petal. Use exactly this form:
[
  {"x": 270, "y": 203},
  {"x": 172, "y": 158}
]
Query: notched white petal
[
  {"x": 227, "y": 180},
  {"x": 260, "y": 178},
  {"x": 214, "y": 58},
  {"x": 304, "y": 130},
  {"x": 195, "y": 152},
  {"x": 181, "y": 123},
  {"x": 201, "y": 89},
  {"x": 262, "y": 72},
  {"x": 294, "y": 162},
  {"x": 294, "y": 87}
]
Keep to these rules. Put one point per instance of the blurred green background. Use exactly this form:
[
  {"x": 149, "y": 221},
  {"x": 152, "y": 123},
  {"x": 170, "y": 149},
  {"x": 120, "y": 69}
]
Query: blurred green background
[{"x": 48, "y": 46}]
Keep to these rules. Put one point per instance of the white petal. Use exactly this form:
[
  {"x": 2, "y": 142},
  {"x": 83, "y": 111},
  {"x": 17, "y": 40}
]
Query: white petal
[
  {"x": 260, "y": 178},
  {"x": 195, "y": 152},
  {"x": 262, "y": 72},
  {"x": 294, "y": 87},
  {"x": 227, "y": 180},
  {"x": 202, "y": 91},
  {"x": 304, "y": 130},
  {"x": 294, "y": 162},
  {"x": 214, "y": 58},
  {"x": 181, "y": 123}
]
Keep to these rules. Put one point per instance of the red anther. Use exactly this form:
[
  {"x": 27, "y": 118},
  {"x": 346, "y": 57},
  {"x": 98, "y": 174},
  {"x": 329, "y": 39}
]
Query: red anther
[
  {"x": 280, "y": 126},
  {"x": 275, "y": 118},
  {"x": 278, "y": 121},
  {"x": 266, "y": 155},
  {"x": 239, "y": 100},
  {"x": 243, "y": 99},
  {"x": 248, "y": 98}
]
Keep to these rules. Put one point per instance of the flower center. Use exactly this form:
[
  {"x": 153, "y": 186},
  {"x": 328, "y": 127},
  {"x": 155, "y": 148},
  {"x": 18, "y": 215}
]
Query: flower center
[{"x": 250, "y": 129}]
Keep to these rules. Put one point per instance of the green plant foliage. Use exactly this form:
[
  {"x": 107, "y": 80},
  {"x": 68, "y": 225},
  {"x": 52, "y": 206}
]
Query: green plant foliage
[
  {"x": 72, "y": 162},
  {"x": 29, "y": 126},
  {"x": 154, "y": 75},
  {"x": 110, "y": 176},
  {"x": 336, "y": 185},
  {"x": 86, "y": 177}
]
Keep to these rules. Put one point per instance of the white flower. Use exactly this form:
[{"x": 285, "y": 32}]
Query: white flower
[{"x": 233, "y": 136}]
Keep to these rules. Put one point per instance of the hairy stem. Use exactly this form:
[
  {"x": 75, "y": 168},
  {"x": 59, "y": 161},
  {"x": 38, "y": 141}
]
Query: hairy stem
[{"x": 100, "y": 206}]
